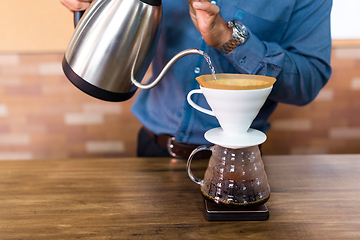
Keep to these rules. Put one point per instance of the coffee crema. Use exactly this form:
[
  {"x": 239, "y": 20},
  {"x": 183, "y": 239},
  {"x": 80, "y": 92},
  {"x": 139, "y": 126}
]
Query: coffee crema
[{"x": 236, "y": 81}]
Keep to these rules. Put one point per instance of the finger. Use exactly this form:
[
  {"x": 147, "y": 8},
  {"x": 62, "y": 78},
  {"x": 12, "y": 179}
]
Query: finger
[
  {"x": 76, "y": 5},
  {"x": 206, "y": 6}
]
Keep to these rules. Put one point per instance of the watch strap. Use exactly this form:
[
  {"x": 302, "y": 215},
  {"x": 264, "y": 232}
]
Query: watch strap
[{"x": 238, "y": 37}]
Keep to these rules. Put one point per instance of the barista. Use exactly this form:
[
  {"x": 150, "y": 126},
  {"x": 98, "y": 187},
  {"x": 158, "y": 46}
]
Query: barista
[{"x": 288, "y": 40}]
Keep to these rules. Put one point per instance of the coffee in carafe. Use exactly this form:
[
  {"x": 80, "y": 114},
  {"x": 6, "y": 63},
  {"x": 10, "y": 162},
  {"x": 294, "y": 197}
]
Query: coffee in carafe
[{"x": 234, "y": 177}]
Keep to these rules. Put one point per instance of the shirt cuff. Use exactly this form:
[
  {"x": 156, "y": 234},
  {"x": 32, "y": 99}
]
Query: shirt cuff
[{"x": 248, "y": 57}]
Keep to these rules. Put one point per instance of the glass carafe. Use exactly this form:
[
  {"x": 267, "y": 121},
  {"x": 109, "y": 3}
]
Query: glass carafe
[{"x": 235, "y": 177}]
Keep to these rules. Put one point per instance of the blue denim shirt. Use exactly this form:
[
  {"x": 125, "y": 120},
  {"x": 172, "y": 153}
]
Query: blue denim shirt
[{"x": 289, "y": 40}]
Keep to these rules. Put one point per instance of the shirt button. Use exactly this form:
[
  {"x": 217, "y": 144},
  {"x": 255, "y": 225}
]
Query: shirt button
[
  {"x": 214, "y": 2},
  {"x": 242, "y": 61},
  {"x": 197, "y": 70}
]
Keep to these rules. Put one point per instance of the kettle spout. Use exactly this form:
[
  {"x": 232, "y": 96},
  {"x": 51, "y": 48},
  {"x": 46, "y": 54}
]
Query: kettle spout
[{"x": 167, "y": 67}]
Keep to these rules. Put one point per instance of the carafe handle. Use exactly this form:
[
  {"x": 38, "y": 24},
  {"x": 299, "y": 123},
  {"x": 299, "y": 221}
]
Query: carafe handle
[
  {"x": 188, "y": 164},
  {"x": 197, "y": 107}
]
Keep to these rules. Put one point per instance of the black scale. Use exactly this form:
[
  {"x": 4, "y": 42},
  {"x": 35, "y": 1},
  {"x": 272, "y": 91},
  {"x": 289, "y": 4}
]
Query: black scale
[{"x": 215, "y": 212}]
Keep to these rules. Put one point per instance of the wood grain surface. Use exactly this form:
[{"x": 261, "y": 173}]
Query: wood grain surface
[{"x": 312, "y": 197}]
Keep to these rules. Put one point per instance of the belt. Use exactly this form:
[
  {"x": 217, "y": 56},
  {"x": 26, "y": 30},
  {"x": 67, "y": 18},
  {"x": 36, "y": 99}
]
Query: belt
[{"x": 176, "y": 148}]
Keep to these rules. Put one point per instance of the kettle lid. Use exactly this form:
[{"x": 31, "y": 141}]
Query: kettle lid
[{"x": 152, "y": 2}]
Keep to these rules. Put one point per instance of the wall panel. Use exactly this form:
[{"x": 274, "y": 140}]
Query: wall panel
[{"x": 34, "y": 26}]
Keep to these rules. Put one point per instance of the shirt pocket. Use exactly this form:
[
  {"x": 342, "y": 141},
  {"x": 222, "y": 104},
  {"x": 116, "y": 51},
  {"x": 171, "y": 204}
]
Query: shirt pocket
[{"x": 266, "y": 19}]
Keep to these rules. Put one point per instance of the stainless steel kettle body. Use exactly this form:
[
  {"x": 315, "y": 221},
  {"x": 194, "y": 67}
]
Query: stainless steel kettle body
[
  {"x": 113, "y": 45},
  {"x": 105, "y": 46}
]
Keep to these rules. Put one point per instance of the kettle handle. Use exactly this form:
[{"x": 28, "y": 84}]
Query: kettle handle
[
  {"x": 188, "y": 164},
  {"x": 77, "y": 17}
]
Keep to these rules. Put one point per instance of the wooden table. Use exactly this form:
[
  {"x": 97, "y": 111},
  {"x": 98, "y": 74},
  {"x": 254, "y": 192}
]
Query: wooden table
[{"x": 313, "y": 197}]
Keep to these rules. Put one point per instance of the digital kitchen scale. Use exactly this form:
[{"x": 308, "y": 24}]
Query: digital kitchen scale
[{"x": 217, "y": 213}]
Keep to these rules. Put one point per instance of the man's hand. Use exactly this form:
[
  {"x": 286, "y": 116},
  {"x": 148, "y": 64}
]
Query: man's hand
[
  {"x": 209, "y": 23},
  {"x": 76, "y": 5}
]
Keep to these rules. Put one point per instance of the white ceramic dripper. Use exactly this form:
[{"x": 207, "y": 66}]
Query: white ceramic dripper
[{"x": 235, "y": 110}]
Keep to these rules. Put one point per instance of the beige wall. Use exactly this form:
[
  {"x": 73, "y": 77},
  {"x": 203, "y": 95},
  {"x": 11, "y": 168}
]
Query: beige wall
[
  {"x": 47, "y": 26},
  {"x": 34, "y": 26}
]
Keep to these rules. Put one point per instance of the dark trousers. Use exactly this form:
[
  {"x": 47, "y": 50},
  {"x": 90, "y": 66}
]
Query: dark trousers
[{"x": 148, "y": 147}]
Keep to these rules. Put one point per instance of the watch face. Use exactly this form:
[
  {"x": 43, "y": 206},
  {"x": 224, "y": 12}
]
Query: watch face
[
  {"x": 239, "y": 36},
  {"x": 241, "y": 28}
]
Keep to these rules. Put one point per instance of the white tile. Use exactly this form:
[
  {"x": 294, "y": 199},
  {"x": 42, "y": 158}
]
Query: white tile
[
  {"x": 52, "y": 89},
  {"x": 50, "y": 68},
  {"x": 9, "y": 59},
  {"x": 355, "y": 84},
  {"x": 3, "y": 110},
  {"x": 325, "y": 95},
  {"x": 10, "y": 81},
  {"x": 105, "y": 108},
  {"x": 14, "y": 139},
  {"x": 105, "y": 147},
  {"x": 347, "y": 53},
  {"x": 16, "y": 156},
  {"x": 83, "y": 119},
  {"x": 20, "y": 70},
  {"x": 61, "y": 108},
  {"x": 345, "y": 133},
  {"x": 291, "y": 125}
]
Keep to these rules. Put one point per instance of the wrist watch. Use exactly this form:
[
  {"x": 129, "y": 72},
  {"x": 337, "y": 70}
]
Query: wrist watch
[{"x": 239, "y": 36}]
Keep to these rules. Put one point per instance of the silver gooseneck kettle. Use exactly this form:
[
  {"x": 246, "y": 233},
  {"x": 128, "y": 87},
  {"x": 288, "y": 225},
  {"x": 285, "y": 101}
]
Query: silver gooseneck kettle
[{"x": 113, "y": 45}]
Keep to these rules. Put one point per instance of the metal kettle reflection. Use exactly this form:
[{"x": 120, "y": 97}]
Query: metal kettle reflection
[{"x": 113, "y": 46}]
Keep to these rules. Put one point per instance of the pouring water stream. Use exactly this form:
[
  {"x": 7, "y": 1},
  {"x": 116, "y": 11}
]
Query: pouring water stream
[
  {"x": 212, "y": 69},
  {"x": 169, "y": 65}
]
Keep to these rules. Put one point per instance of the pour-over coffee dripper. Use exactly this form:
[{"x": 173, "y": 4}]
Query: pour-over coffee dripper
[
  {"x": 235, "y": 100},
  {"x": 235, "y": 177}
]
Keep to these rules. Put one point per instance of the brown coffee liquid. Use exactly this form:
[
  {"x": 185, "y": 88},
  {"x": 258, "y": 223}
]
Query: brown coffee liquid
[
  {"x": 235, "y": 81},
  {"x": 231, "y": 204}
]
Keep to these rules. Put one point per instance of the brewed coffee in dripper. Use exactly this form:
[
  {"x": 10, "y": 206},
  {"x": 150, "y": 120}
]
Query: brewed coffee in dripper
[{"x": 235, "y": 81}]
